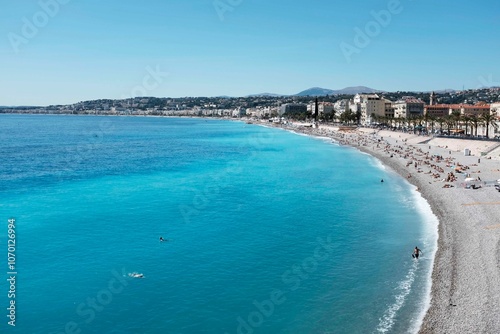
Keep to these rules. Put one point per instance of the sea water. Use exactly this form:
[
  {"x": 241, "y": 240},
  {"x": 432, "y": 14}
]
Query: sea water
[{"x": 268, "y": 231}]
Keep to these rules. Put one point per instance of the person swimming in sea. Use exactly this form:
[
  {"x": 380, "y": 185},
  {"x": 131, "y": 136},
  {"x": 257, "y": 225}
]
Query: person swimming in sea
[
  {"x": 161, "y": 239},
  {"x": 416, "y": 252}
]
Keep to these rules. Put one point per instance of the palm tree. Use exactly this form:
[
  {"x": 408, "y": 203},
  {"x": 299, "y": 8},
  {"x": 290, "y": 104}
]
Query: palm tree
[
  {"x": 357, "y": 117},
  {"x": 440, "y": 121},
  {"x": 383, "y": 120},
  {"x": 333, "y": 115},
  {"x": 488, "y": 119},
  {"x": 456, "y": 115},
  {"x": 475, "y": 121},
  {"x": 466, "y": 119},
  {"x": 431, "y": 119},
  {"x": 408, "y": 121},
  {"x": 450, "y": 122},
  {"x": 419, "y": 120},
  {"x": 347, "y": 116},
  {"x": 413, "y": 122}
]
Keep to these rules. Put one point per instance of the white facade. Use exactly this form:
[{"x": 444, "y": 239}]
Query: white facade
[
  {"x": 323, "y": 108},
  {"x": 408, "y": 106},
  {"x": 495, "y": 109},
  {"x": 369, "y": 105},
  {"x": 341, "y": 106}
]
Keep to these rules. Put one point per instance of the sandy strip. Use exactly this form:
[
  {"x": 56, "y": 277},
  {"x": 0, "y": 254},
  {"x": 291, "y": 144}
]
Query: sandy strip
[{"x": 465, "y": 294}]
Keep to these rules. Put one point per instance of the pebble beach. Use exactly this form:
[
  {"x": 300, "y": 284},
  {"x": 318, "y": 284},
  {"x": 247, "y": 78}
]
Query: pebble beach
[{"x": 465, "y": 293}]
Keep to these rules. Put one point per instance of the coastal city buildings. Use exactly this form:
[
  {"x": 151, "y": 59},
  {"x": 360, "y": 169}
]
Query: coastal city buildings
[
  {"x": 394, "y": 108},
  {"x": 292, "y": 108},
  {"x": 408, "y": 107},
  {"x": 369, "y": 105}
]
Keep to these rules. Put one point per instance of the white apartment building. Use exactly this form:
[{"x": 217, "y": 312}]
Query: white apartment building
[
  {"x": 341, "y": 106},
  {"x": 495, "y": 108},
  {"x": 323, "y": 108},
  {"x": 369, "y": 105}
]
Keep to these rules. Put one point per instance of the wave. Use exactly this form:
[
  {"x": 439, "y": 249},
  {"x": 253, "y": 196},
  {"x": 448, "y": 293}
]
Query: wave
[
  {"x": 429, "y": 244},
  {"x": 404, "y": 289}
]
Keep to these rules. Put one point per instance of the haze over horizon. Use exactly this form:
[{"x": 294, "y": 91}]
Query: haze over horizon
[{"x": 65, "y": 51}]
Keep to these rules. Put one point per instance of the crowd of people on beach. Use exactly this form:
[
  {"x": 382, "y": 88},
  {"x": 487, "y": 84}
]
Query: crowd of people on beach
[{"x": 417, "y": 160}]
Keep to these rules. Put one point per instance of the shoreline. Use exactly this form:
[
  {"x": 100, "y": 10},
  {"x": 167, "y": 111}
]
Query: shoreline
[{"x": 465, "y": 288}]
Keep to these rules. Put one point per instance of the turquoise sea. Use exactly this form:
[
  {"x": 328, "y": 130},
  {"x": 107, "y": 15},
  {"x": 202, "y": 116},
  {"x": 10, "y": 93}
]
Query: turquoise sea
[{"x": 268, "y": 231}]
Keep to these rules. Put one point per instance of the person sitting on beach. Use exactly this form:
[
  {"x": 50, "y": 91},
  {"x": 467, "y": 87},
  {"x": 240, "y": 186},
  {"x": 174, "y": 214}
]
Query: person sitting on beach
[{"x": 416, "y": 252}]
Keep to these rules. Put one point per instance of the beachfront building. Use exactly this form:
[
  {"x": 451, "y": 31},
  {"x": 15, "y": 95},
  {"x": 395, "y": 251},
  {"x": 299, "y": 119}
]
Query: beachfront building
[
  {"x": 239, "y": 112},
  {"x": 261, "y": 112},
  {"x": 441, "y": 110},
  {"x": 293, "y": 108},
  {"x": 324, "y": 108},
  {"x": 369, "y": 105},
  {"x": 477, "y": 109},
  {"x": 354, "y": 107},
  {"x": 388, "y": 108},
  {"x": 495, "y": 109},
  {"x": 341, "y": 106},
  {"x": 408, "y": 107},
  {"x": 437, "y": 110}
]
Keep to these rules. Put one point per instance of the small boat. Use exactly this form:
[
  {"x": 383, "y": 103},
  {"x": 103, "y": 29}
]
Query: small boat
[{"x": 136, "y": 275}]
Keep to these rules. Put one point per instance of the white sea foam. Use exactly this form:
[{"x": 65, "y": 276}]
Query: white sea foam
[
  {"x": 375, "y": 162},
  {"x": 403, "y": 290},
  {"x": 429, "y": 244}
]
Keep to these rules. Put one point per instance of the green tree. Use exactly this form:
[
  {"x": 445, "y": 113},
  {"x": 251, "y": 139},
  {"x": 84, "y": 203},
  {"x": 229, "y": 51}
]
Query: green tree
[
  {"x": 466, "y": 121},
  {"x": 357, "y": 117},
  {"x": 488, "y": 119},
  {"x": 347, "y": 117},
  {"x": 476, "y": 122},
  {"x": 432, "y": 120},
  {"x": 333, "y": 115},
  {"x": 456, "y": 115},
  {"x": 450, "y": 122},
  {"x": 440, "y": 121}
]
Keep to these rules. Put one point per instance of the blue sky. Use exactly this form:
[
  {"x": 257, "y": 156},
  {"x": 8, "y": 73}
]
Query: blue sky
[{"x": 87, "y": 49}]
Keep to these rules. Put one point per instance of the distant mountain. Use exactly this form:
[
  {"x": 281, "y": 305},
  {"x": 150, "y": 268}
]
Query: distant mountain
[
  {"x": 265, "y": 94},
  {"x": 317, "y": 91},
  {"x": 358, "y": 90},
  {"x": 442, "y": 91}
]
